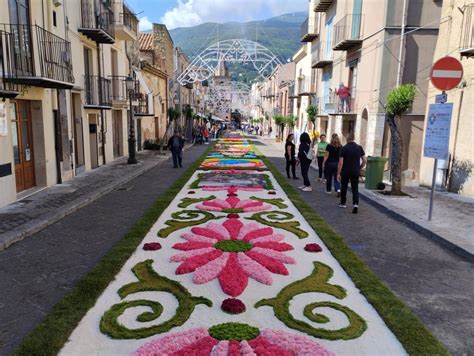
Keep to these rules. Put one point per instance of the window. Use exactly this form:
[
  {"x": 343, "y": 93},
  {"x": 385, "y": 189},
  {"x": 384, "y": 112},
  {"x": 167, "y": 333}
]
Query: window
[{"x": 55, "y": 23}]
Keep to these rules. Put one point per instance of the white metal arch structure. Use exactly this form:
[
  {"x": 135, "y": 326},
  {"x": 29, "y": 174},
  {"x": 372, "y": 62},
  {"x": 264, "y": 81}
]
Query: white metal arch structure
[
  {"x": 205, "y": 64},
  {"x": 229, "y": 96}
]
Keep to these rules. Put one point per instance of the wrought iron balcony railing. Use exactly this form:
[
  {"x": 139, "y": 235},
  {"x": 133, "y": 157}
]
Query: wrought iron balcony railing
[
  {"x": 8, "y": 89},
  {"x": 348, "y": 32},
  {"x": 309, "y": 29},
  {"x": 119, "y": 88},
  {"x": 97, "y": 92},
  {"x": 321, "y": 54},
  {"x": 332, "y": 104},
  {"x": 126, "y": 25},
  {"x": 305, "y": 87},
  {"x": 467, "y": 34},
  {"x": 292, "y": 93},
  {"x": 143, "y": 107},
  {"x": 97, "y": 21},
  {"x": 39, "y": 57}
]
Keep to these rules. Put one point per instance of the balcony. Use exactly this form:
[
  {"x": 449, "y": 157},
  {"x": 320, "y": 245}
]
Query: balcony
[
  {"x": 348, "y": 32},
  {"x": 126, "y": 25},
  {"x": 326, "y": 104},
  {"x": 39, "y": 58},
  {"x": 97, "y": 21},
  {"x": 97, "y": 92},
  {"x": 118, "y": 95},
  {"x": 466, "y": 48},
  {"x": 322, "y": 5},
  {"x": 332, "y": 104},
  {"x": 142, "y": 106},
  {"x": 305, "y": 87},
  {"x": 321, "y": 55},
  {"x": 292, "y": 94},
  {"x": 8, "y": 89},
  {"x": 309, "y": 30}
]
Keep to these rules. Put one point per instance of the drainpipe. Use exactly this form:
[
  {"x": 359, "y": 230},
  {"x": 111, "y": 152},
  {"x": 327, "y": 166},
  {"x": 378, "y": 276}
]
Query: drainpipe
[
  {"x": 402, "y": 44},
  {"x": 453, "y": 156},
  {"x": 102, "y": 120}
]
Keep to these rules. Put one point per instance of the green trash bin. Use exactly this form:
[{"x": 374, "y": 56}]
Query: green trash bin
[{"x": 374, "y": 171}]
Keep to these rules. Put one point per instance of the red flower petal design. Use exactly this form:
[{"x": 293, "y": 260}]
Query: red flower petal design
[
  {"x": 269, "y": 263},
  {"x": 233, "y": 279},
  {"x": 262, "y": 347},
  {"x": 258, "y": 233},
  {"x": 232, "y": 201},
  {"x": 204, "y": 346},
  {"x": 233, "y": 226},
  {"x": 277, "y": 246},
  {"x": 203, "y": 231},
  {"x": 186, "y": 246},
  {"x": 197, "y": 261},
  {"x": 234, "y": 348}
]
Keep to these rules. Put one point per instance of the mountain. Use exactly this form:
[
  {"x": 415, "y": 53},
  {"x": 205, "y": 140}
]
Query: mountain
[{"x": 279, "y": 34}]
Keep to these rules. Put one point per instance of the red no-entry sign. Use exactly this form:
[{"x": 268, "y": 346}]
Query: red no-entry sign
[{"x": 446, "y": 73}]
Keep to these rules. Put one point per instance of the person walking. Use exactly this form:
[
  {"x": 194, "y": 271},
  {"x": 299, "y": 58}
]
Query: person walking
[
  {"x": 290, "y": 157},
  {"x": 175, "y": 145},
  {"x": 351, "y": 160},
  {"x": 320, "y": 152},
  {"x": 305, "y": 158},
  {"x": 330, "y": 162},
  {"x": 206, "y": 135}
]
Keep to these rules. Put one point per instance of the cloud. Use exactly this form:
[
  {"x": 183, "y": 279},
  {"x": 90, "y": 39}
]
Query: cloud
[
  {"x": 193, "y": 12},
  {"x": 145, "y": 24}
]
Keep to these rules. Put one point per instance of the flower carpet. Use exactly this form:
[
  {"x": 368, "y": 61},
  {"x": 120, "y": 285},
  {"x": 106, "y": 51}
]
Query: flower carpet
[{"x": 231, "y": 267}]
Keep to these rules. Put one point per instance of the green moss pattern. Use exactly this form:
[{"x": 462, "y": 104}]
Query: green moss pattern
[
  {"x": 316, "y": 282},
  {"x": 149, "y": 280},
  {"x": 183, "y": 219},
  {"x": 234, "y": 331},
  {"x": 281, "y": 220}
]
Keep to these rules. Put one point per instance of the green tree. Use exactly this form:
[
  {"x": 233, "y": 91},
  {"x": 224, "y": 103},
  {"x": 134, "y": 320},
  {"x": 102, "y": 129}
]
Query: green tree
[
  {"x": 290, "y": 121},
  {"x": 312, "y": 111},
  {"x": 280, "y": 121},
  {"x": 399, "y": 100}
]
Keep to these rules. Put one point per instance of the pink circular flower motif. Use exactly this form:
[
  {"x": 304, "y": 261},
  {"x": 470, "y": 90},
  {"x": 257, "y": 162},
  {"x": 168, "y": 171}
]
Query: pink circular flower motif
[
  {"x": 232, "y": 252},
  {"x": 200, "y": 342},
  {"x": 152, "y": 246},
  {"x": 313, "y": 248},
  {"x": 233, "y": 204}
]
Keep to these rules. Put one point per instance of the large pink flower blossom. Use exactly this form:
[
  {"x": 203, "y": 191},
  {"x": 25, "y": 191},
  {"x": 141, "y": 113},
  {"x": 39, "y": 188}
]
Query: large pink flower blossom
[
  {"x": 232, "y": 252},
  {"x": 233, "y": 205},
  {"x": 200, "y": 342}
]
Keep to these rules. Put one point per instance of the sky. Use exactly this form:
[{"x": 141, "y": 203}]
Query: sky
[{"x": 186, "y": 13}]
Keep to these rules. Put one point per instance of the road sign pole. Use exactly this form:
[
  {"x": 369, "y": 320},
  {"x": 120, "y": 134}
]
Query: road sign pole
[{"x": 433, "y": 184}]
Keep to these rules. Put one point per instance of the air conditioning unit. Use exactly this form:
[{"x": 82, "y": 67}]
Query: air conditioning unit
[{"x": 57, "y": 2}]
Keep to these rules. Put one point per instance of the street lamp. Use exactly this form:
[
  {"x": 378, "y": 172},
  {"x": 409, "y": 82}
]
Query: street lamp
[{"x": 130, "y": 84}]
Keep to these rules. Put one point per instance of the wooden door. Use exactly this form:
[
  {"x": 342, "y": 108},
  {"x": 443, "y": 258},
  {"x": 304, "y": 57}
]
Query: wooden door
[{"x": 22, "y": 136}]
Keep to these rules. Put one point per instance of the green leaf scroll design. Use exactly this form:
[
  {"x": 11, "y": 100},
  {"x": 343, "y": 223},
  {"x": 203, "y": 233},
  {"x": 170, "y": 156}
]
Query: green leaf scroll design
[
  {"x": 278, "y": 202},
  {"x": 281, "y": 220},
  {"x": 149, "y": 280},
  {"x": 316, "y": 282},
  {"x": 185, "y": 202},
  {"x": 185, "y": 218}
]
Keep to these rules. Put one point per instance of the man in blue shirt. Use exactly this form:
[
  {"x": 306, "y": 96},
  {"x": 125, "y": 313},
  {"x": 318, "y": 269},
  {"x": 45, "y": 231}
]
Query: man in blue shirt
[{"x": 175, "y": 145}]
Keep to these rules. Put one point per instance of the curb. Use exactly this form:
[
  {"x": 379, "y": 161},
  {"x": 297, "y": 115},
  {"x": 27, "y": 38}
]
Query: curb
[
  {"x": 36, "y": 225},
  {"x": 417, "y": 227}
]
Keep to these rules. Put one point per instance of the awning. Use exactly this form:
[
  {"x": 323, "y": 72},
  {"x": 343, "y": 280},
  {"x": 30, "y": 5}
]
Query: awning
[{"x": 217, "y": 118}]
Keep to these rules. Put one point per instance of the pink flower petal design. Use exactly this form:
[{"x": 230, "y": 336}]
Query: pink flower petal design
[
  {"x": 180, "y": 257},
  {"x": 204, "y": 346},
  {"x": 232, "y": 201},
  {"x": 234, "y": 348},
  {"x": 256, "y": 208},
  {"x": 275, "y": 255},
  {"x": 219, "y": 229},
  {"x": 194, "y": 262},
  {"x": 208, "y": 208},
  {"x": 233, "y": 226},
  {"x": 254, "y": 269},
  {"x": 210, "y": 270},
  {"x": 248, "y": 203},
  {"x": 269, "y": 263},
  {"x": 274, "y": 246},
  {"x": 233, "y": 279},
  {"x": 270, "y": 238},
  {"x": 246, "y": 349},
  {"x": 218, "y": 203},
  {"x": 212, "y": 230},
  {"x": 258, "y": 233},
  {"x": 246, "y": 229},
  {"x": 186, "y": 246},
  {"x": 221, "y": 349},
  {"x": 263, "y": 347},
  {"x": 197, "y": 238},
  {"x": 297, "y": 344},
  {"x": 171, "y": 343}
]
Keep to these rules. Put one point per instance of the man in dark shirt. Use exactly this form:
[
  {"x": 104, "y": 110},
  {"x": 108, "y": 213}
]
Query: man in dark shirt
[
  {"x": 348, "y": 170},
  {"x": 175, "y": 145}
]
